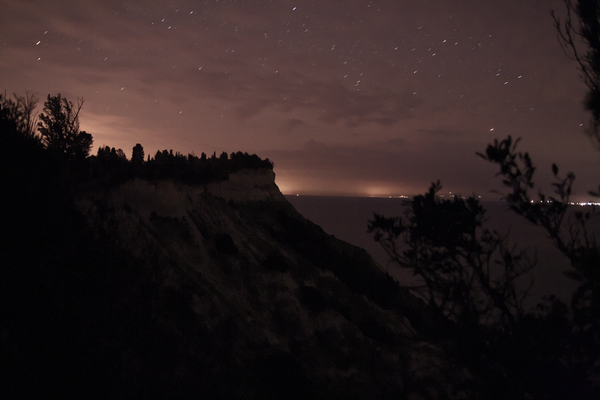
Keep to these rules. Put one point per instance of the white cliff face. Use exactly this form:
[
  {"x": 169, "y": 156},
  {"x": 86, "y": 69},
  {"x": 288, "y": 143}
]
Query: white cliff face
[
  {"x": 163, "y": 198},
  {"x": 170, "y": 199},
  {"x": 247, "y": 185},
  {"x": 211, "y": 245}
]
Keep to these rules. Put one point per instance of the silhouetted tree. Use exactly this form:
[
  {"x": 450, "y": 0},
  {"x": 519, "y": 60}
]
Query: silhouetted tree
[
  {"x": 569, "y": 231},
  {"x": 444, "y": 243},
  {"x": 432, "y": 244},
  {"x": 59, "y": 128},
  {"x": 137, "y": 155},
  {"x": 18, "y": 116},
  {"x": 9, "y": 115},
  {"x": 585, "y": 30},
  {"x": 121, "y": 155},
  {"x": 28, "y": 119}
]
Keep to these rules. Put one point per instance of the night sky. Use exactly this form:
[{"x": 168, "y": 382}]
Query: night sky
[{"x": 345, "y": 97}]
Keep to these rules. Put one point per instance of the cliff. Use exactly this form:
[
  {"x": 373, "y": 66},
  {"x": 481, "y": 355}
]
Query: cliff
[{"x": 220, "y": 290}]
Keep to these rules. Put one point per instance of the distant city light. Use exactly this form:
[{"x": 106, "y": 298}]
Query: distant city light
[{"x": 586, "y": 203}]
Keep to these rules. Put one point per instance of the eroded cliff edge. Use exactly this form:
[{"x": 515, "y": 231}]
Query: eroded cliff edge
[{"x": 219, "y": 290}]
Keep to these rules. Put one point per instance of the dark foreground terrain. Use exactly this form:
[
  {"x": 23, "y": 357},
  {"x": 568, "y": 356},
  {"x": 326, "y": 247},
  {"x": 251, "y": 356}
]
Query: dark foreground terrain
[
  {"x": 219, "y": 290},
  {"x": 186, "y": 277}
]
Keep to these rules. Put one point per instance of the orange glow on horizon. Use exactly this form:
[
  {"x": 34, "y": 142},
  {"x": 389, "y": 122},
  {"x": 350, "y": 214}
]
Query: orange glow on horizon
[{"x": 290, "y": 184}]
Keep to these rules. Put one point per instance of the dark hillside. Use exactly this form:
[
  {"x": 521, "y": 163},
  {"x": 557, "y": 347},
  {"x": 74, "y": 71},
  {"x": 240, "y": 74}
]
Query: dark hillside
[{"x": 165, "y": 288}]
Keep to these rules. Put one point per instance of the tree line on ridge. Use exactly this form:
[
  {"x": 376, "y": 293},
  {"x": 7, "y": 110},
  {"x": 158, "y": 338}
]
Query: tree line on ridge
[{"x": 55, "y": 134}]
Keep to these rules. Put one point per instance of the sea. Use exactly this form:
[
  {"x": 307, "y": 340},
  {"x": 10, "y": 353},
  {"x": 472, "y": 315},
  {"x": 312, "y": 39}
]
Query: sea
[{"x": 347, "y": 217}]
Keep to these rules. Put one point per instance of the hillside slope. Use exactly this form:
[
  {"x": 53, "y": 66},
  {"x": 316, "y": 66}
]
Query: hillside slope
[{"x": 221, "y": 290}]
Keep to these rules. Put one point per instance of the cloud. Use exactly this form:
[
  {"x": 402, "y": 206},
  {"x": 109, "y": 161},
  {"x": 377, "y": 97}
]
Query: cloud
[
  {"x": 293, "y": 124},
  {"x": 114, "y": 46},
  {"x": 396, "y": 142},
  {"x": 440, "y": 133},
  {"x": 339, "y": 103},
  {"x": 330, "y": 102}
]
